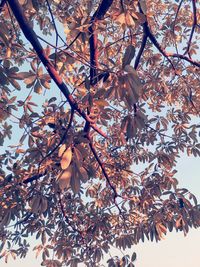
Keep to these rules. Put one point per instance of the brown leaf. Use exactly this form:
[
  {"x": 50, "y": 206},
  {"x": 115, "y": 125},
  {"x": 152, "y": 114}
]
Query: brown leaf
[
  {"x": 66, "y": 158},
  {"x": 61, "y": 150},
  {"x": 75, "y": 183},
  {"x": 128, "y": 56},
  {"x": 65, "y": 178}
]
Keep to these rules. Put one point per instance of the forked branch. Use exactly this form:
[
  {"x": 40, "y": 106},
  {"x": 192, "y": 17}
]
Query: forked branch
[
  {"x": 150, "y": 35},
  {"x": 32, "y": 38}
]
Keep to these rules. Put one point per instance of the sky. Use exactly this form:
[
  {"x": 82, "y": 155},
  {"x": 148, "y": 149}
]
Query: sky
[{"x": 174, "y": 250}]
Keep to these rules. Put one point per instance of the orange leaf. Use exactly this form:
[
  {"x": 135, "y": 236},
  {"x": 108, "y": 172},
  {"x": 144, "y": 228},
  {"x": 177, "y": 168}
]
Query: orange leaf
[{"x": 66, "y": 158}]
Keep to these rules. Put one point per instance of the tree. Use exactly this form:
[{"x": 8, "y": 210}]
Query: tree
[{"x": 89, "y": 91}]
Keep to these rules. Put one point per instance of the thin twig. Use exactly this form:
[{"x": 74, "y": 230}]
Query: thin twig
[
  {"x": 176, "y": 16},
  {"x": 103, "y": 169},
  {"x": 63, "y": 210},
  {"x": 194, "y": 24}
]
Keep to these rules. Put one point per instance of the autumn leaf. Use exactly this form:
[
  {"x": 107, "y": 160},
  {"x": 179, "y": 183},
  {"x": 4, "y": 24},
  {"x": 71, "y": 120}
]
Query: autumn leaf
[
  {"x": 64, "y": 179},
  {"x": 66, "y": 158},
  {"x": 61, "y": 149},
  {"x": 75, "y": 182}
]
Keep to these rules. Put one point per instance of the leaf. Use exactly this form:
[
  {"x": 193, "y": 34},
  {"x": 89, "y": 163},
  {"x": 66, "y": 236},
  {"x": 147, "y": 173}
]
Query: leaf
[
  {"x": 130, "y": 21},
  {"x": 134, "y": 74},
  {"x": 15, "y": 84},
  {"x": 75, "y": 184},
  {"x": 134, "y": 256},
  {"x": 6, "y": 218},
  {"x": 38, "y": 88},
  {"x": 8, "y": 52},
  {"x": 22, "y": 75},
  {"x": 65, "y": 178},
  {"x": 3, "y": 78},
  {"x": 83, "y": 174},
  {"x": 43, "y": 238},
  {"x": 66, "y": 158},
  {"x": 121, "y": 19},
  {"x": 4, "y": 35},
  {"x": 61, "y": 150},
  {"x": 128, "y": 56},
  {"x": 101, "y": 103},
  {"x": 36, "y": 4}
]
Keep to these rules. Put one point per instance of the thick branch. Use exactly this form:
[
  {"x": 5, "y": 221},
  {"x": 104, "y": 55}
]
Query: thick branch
[
  {"x": 32, "y": 38},
  {"x": 93, "y": 39},
  {"x": 102, "y": 9},
  {"x": 141, "y": 50}
]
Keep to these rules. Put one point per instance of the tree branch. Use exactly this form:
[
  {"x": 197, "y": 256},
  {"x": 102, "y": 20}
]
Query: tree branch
[
  {"x": 102, "y": 9},
  {"x": 93, "y": 39},
  {"x": 94, "y": 152},
  {"x": 193, "y": 62},
  {"x": 63, "y": 210},
  {"x": 93, "y": 42},
  {"x": 177, "y": 12},
  {"x": 32, "y": 38},
  {"x": 153, "y": 39},
  {"x": 141, "y": 50},
  {"x": 194, "y": 24}
]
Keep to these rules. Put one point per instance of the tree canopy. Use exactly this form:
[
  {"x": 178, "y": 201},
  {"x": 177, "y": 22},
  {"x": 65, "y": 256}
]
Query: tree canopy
[{"x": 98, "y": 101}]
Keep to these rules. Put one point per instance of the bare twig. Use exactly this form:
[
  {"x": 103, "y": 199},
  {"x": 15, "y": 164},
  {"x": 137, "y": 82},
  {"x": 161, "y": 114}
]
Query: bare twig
[
  {"x": 56, "y": 30},
  {"x": 193, "y": 62}
]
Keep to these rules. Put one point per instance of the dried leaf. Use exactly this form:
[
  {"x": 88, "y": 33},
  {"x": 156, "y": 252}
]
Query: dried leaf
[
  {"x": 61, "y": 150},
  {"x": 75, "y": 183},
  {"x": 65, "y": 178},
  {"x": 66, "y": 158}
]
